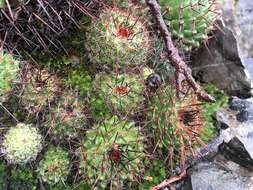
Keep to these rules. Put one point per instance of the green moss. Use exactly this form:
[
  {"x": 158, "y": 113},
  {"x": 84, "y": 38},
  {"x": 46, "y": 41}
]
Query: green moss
[
  {"x": 22, "y": 179},
  {"x": 209, "y": 130},
  {"x": 3, "y": 177}
]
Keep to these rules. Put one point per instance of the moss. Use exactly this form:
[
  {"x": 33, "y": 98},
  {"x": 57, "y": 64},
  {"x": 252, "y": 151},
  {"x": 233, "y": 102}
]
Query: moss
[
  {"x": 209, "y": 130},
  {"x": 3, "y": 177}
]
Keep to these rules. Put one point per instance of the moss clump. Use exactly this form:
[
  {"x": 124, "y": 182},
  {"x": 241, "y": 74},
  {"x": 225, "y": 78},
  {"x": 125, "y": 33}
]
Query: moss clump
[
  {"x": 190, "y": 21},
  {"x": 118, "y": 93},
  {"x": 39, "y": 88},
  {"x": 112, "y": 154},
  {"x": 22, "y": 179},
  {"x": 9, "y": 68},
  {"x": 67, "y": 118},
  {"x": 54, "y": 167},
  {"x": 118, "y": 39},
  {"x": 221, "y": 98},
  {"x": 21, "y": 144}
]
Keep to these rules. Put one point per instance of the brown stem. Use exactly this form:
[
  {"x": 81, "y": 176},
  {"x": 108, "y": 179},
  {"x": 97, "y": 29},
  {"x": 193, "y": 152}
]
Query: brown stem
[{"x": 183, "y": 72}]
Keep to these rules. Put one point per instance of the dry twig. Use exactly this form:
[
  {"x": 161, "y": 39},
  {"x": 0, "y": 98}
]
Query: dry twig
[{"x": 183, "y": 72}]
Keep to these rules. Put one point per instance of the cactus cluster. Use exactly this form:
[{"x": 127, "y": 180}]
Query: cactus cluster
[
  {"x": 21, "y": 144},
  {"x": 9, "y": 70},
  {"x": 112, "y": 154},
  {"x": 54, "y": 167},
  {"x": 118, "y": 39},
  {"x": 190, "y": 21},
  {"x": 106, "y": 114},
  {"x": 66, "y": 119}
]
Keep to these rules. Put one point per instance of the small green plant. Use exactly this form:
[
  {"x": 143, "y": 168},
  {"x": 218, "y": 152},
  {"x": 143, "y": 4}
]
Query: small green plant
[
  {"x": 112, "y": 154},
  {"x": 39, "y": 88},
  {"x": 9, "y": 68},
  {"x": 66, "y": 119},
  {"x": 54, "y": 167},
  {"x": 118, "y": 39},
  {"x": 190, "y": 21},
  {"x": 208, "y": 115},
  {"x": 22, "y": 179},
  {"x": 21, "y": 144},
  {"x": 118, "y": 93},
  {"x": 3, "y": 177}
]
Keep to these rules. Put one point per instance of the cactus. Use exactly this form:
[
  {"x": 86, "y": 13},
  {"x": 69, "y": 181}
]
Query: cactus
[
  {"x": 21, "y": 144},
  {"x": 175, "y": 125},
  {"x": 112, "y": 153},
  {"x": 2, "y": 4},
  {"x": 118, "y": 39},
  {"x": 67, "y": 118},
  {"x": 39, "y": 88},
  {"x": 54, "y": 167},
  {"x": 190, "y": 21},
  {"x": 9, "y": 69},
  {"x": 118, "y": 93}
]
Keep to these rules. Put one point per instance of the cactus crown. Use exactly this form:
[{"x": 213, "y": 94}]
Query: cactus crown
[
  {"x": 112, "y": 154},
  {"x": 39, "y": 88},
  {"x": 21, "y": 144},
  {"x": 118, "y": 39},
  {"x": 190, "y": 20},
  {"x": 120, "y": 93},
  {"x": 8, "y": 72},
  {"x": 54, "y": 167}
]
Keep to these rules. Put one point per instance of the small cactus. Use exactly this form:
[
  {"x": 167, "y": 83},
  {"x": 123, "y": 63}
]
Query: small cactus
[
  {"x": 190, "y": 21},
  {"x": 9, "y": 68},
  {"x": 39, "y": 88},
  {"x": 118, "y": 93},
  {"x": 112, "y": 153},
  {"x": 118, "y": 39},
  {"x": 66, "y": 118},
  {"x": 175, "y": 125},
  {"x": 21, "y": 144},
  {"x": 54, "y": 167}
]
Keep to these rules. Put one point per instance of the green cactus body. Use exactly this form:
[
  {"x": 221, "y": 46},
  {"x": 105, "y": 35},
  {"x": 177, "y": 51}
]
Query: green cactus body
[
  {"x": 112, "y": 153},
  {"x": 175, "y": 125},
  {"x": 2, "y": 4},
  {"x": 190, "y": 21},
  {"x": 21, "y": 144},
  {"x": 118, "y": 39},
  {"x": 67, "y": 118},
  {"x": 39, "y": 88},
  {"x": 120, "y": 93},
  {"x": 54, "y": 167},
  {"x": 9, "y": 69}
]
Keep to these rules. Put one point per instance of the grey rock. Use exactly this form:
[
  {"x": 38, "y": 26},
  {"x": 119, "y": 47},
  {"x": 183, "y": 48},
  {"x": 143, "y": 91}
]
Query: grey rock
[
  {"x": 221, "y": 64},
  {"x": 219, "y": 176},
  {"x": 238, "y": 136}
]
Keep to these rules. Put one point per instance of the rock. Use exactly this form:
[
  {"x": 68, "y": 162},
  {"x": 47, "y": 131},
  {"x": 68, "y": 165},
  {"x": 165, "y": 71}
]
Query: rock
[
  {"x": 219, "y": 176},
  {"x": 238, "y": 135},
  {"x": 221, "y": 65}
]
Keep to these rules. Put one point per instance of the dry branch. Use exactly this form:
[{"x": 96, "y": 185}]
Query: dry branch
[{"x": 183, "y": 72}]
